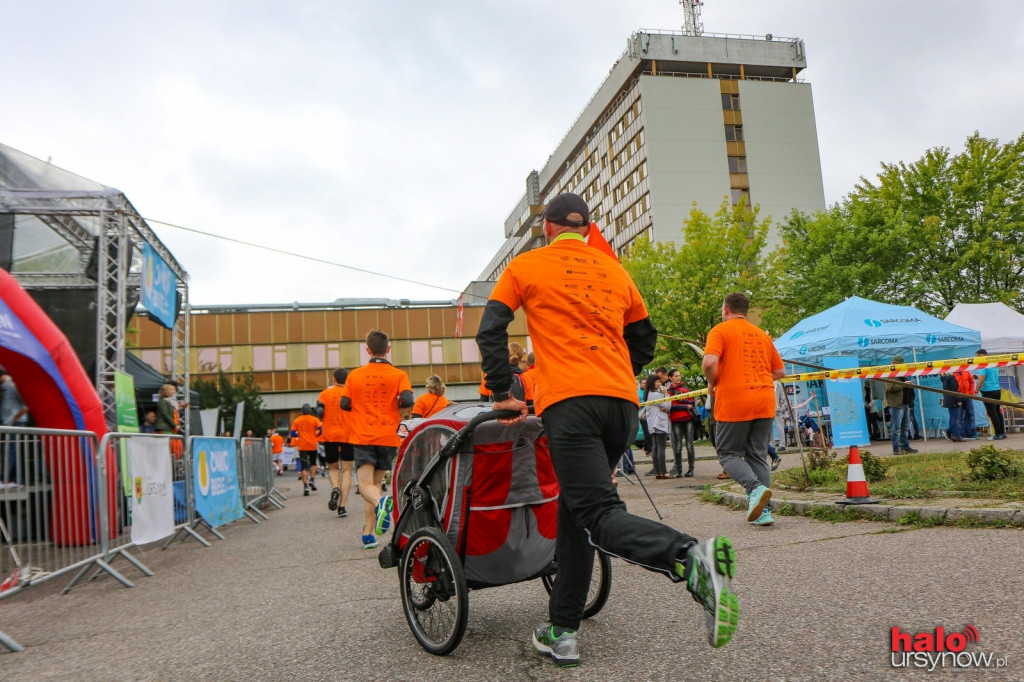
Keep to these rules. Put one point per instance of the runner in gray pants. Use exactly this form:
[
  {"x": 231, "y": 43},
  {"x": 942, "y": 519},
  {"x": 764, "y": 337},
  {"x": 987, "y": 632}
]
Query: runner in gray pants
[{"x": 742, "y": 450}]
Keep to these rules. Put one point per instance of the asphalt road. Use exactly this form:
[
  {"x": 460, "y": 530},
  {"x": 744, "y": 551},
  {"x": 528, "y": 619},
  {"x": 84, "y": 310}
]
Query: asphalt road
[{"x": 297, "y": 598}]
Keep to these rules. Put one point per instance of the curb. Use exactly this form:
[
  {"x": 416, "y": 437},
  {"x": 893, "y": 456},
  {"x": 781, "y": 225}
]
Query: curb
[{"x": 883, "y": 512}]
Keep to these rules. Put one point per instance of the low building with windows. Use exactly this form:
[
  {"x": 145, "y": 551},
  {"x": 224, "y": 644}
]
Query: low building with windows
[
  {"x": 293, "y": 349},
  {"x": 682, "y": 119}
]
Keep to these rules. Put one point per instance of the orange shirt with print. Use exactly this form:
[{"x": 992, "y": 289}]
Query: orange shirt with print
[
  {"x": 577, "y": 301},
  {"x": 306, "y": 425},
  {"x": 373, "y": 390},
  {"x": 276, "y": 443},
  {"x": 746, "y": 359},
  {"x": 429, "y": 404},
  {"x": 336, "y": 429}
]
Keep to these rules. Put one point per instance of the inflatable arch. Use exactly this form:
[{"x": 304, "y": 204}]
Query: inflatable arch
[{"x": 58, "y": 393}]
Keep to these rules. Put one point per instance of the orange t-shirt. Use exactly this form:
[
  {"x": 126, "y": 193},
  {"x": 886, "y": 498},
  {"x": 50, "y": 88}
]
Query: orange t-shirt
[
  {"x": 483, "y": 388},
  {"x": 373, "y": 390},
  {"x": 429, "y": 404},
  {"x": 276, "y": 443},
  {"x": 307, "y": 426},
  {"x": 336, "y": 429},
  {"x": 529, "y": 377},
  {"x": 746, "y": 359},
  {"x": 577, "y": 301}
]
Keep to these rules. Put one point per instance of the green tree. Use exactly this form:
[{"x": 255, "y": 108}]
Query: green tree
[
  {"x": 225, "y": 394},
  {"x": 944, "y": 229},
  {"x": 683, "y": 284}
]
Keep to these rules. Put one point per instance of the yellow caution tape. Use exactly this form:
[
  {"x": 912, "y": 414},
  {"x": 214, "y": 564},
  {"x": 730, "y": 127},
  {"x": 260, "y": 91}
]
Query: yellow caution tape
[{"x": 909, "y": 369}]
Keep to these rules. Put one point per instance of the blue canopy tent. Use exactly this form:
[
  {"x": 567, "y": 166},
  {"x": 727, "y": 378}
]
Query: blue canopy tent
[{"x": 875, "y": 333}]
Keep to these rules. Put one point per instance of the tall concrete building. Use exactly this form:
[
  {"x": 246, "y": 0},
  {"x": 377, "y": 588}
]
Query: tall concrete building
[{"x": 682, "y": 118}]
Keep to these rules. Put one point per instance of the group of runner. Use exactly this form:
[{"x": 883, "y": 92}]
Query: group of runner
[{"x": 357, "y": 421}]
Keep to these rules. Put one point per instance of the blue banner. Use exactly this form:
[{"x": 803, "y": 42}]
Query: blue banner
[
  {"x": 159, "y": 287},
  {"x": 215, "y": 473},
  {"x": 846, "y": 405}
]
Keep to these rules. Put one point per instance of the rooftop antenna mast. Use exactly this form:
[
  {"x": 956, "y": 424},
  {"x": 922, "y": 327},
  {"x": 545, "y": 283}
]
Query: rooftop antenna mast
[{"x": 692, "y": 25}]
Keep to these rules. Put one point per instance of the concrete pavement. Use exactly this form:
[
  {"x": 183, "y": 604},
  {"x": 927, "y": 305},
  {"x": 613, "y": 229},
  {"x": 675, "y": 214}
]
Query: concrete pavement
[{"x": 297, "y": 598}]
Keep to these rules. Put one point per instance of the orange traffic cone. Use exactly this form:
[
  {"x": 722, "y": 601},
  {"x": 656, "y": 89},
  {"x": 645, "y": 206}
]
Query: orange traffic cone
[{"x": 856, "y": 484}]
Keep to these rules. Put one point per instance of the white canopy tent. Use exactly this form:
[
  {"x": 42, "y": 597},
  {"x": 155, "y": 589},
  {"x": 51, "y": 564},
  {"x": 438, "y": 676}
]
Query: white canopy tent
[
  {"x": 1002, "y": 331},
  {"x": 1001, "y": 327}
]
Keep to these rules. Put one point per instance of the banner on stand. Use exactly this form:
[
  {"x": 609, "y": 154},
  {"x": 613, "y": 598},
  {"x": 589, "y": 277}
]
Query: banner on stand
[
  {"x": 846, "y": 405},
  {"x": 215, "y": 473},
  {"x": 152, "y": 494}
]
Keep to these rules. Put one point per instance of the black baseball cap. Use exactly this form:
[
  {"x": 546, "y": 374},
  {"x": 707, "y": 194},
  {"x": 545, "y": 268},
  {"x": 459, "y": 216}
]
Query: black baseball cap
[{"x": 559, "y": 208}]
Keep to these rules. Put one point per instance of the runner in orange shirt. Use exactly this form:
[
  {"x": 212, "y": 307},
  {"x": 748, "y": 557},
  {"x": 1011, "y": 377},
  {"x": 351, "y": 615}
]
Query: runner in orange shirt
[
  {"x": 741, "y": 364},
  {"x": 376, "y": 391},
  {"x": 305, "y": 430},
  {"x": 337, "y": 447},
  {"x": 590, "y": 328},
  {"x": 276, "y": 450},
  {"x": 529, "y": 378},
  {"x": 431, "y": 402}
]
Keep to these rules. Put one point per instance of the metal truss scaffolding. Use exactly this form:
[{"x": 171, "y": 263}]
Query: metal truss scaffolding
[{"x": 54, "y": 210}]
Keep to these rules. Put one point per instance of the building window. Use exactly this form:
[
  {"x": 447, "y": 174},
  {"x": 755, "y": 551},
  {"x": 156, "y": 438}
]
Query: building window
[
  {"x": 262, "y": 358},
  {"x": 266, "y": 358},
  {"x": 734, "y": 133},
  {"x": 737, "y": 194},
  {"x": 212, "y": 359},
  {"x": 470, "y": 351},
  {"x": 158, "y": 359},
  {"x": 737, "y": 164},
  {"x": 316, "y": 356},
  {"x": 420, "y": 352},
  {"x": 730, "y": 102}
]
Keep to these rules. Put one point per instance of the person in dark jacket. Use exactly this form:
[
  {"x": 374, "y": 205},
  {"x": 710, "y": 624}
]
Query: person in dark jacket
[
  {"x": 953, "y": 405},
  {"x": 899, "y": 413},
  {"x": 681, "y": 419}
]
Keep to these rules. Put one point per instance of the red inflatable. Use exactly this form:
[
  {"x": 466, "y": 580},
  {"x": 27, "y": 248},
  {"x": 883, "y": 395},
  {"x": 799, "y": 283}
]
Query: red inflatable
[{"x": 59, "y": 395}]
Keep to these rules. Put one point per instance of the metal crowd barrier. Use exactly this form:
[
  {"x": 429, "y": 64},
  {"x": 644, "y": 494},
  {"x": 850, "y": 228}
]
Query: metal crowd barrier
[
  {"x": 50, "y": 526},
  {"x": 256, "y": 475},
  {"x": 186, "y": 521},
  {"x": 52, "y": 504},
  {"x": 67, "y": 506}
]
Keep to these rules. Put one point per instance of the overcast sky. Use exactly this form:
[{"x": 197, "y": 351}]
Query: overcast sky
[{"x": 397, "y": 136}]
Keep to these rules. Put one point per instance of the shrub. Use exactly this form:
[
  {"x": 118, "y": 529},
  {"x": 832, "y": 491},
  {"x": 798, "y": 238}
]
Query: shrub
[
  {"x": 989, "y": 464},
  {"x": 875, "y": 468},
  {"x": 820, "y": 459}
]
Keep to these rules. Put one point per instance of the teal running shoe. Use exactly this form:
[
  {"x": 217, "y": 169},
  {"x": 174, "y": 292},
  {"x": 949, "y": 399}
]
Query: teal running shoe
[
  {"x": 756, "y": 502},
  {"x": 765, "y": 519}
]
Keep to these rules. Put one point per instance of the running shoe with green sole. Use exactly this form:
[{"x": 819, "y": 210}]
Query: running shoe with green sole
[
  {"x": 384, "y": 507},
  {"x": 564, "y": 649},
  {"x": 708, "y": 570}
]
